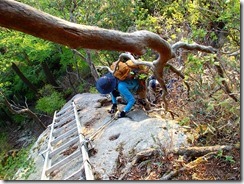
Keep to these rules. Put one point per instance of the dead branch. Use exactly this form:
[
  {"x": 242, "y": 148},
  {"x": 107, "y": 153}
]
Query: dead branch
[
  {"x": 233, "y": 53},
  {"x": 89, "y": 62},
  {"x": 105, "y": 67},
  {"x": 199, "y": 151},
  {"x": 146, "y": 154},
  {"x": 17, "y": 110},
  {"x": 203, "y": 154},
  {"x": 225, "y": 86},
  {"x": 143, "y": 155},
  {"x": 79, "y": 54},
  {"x": 188, "y": 166}
]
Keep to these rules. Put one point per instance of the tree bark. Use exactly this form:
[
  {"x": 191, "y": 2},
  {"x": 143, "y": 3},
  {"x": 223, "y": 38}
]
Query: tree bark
[
  {"x": 24, "y": 18},
  {"x": 199, "y": 151},
  {"x": 49, "y": 76},
  {"x": 23, "y": 78}
]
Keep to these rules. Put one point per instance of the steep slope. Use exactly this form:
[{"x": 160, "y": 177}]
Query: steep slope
[{"x": 120, "y": 140}]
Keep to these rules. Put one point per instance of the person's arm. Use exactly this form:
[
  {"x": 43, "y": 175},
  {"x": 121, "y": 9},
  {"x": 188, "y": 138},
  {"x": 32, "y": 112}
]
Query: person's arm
[{"x": 114, "y": 102}]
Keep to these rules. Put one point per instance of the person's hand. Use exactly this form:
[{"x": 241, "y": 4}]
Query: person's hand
[{"x": 113, "y": 109}]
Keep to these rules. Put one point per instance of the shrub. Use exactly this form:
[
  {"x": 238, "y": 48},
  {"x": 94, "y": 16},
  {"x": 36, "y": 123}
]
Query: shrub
[{"x": 50, "y": 103}]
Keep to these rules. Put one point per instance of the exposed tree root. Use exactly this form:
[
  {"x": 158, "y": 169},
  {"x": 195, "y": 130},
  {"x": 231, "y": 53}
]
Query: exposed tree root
[
  {"x": 190, "y": 165},
  {"x": 199, "y": 151},
  {"x": 203, "y": 154}
]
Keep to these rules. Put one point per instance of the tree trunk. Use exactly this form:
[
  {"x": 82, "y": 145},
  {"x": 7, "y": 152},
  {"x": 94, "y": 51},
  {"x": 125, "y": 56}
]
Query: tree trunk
[
  {"x": 21, "y": 17},
  {"x": 24, "y": 18},
  {"x": 49, "y": 76},
  {"x": 23, "y": 78}
]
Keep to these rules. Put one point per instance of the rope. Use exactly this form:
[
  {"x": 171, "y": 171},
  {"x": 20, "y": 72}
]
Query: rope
[{"x": 102, "y": 127}]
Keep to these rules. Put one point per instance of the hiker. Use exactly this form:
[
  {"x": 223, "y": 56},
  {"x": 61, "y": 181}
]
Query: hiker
[
  {"x": 125, "y": 85},
  {"x": 154, "y": 90}
]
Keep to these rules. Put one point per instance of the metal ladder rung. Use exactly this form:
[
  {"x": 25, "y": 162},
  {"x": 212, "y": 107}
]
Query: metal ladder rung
[
  {"x": 66, "y": 127},
  {"x": 66, "y": 114},
  {"x": 70, "y": 132},
  {"x": 61, "y": 148},
  {"x": 60, "y": 123},
  {"x": 76, "y": 175},
  {"x": 63, "y": 162},
  {"x": 65, "y": 134},
  {"x": 63, "y": 111}
]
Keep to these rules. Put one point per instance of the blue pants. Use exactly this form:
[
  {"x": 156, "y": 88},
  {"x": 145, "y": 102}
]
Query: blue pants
[{"x": 126, "y": 88}]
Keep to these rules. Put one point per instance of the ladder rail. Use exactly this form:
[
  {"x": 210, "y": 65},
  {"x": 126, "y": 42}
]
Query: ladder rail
[
  {"x": 47, "y": 161},
  {"x": 65, "y": 131},
  {"x": 87, "y": 166},
  {"x": 63, "y": 162}
]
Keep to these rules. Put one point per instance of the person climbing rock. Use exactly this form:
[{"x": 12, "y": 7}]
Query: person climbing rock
[
  {"x": 154, "y": 90},
  {"x": 126, "y": 83}
]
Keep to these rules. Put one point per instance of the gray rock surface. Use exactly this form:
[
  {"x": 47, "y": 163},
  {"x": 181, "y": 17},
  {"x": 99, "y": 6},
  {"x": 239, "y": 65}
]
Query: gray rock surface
[{"x": 135, "y": 133}]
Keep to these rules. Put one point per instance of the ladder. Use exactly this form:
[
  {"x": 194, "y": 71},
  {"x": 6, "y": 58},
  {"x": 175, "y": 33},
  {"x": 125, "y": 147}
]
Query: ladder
[{"x": 66, "y": 156}]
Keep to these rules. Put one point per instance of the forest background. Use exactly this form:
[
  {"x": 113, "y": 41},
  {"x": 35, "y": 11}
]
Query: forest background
[{"x": 39, "y": 77}]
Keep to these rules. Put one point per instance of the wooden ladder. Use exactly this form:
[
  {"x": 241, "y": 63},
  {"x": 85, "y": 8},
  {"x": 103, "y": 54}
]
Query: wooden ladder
[{"x": 66, "y": 157}]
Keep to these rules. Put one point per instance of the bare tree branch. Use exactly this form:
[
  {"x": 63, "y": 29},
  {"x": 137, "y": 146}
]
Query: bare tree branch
[
  {"x": 235, "y": 53},
  {"x": 17, "y": 110},
  {"x": 178, "y": 72},
  {"x": 24, "y": 18},
  {"x": 21, "y": 17},
  {"x": 79, "y": 54},
  {"x": 89, "y": 62},
  {"x": 194, "y": 46},
  {"x": 188, "y": 166},
  {"x": 105, "y": 67}
]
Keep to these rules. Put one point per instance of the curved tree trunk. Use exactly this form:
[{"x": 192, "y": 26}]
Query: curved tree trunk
[
  {"x": 21, "y": 17},
  {"x": 24, "y": 18}
]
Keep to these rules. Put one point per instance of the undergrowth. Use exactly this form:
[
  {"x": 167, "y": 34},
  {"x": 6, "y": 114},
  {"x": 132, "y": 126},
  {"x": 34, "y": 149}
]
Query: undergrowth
[{"x": 13, "y": 161}]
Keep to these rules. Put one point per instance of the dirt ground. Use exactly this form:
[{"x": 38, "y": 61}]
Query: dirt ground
[{"x": 222, "y": 166}]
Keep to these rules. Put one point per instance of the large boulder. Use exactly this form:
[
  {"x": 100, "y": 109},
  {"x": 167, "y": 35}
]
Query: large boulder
[{"x": 130, "y": 135}]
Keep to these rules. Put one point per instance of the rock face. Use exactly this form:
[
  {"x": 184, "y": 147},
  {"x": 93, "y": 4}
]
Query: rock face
[{"x": 135, "y": 133}]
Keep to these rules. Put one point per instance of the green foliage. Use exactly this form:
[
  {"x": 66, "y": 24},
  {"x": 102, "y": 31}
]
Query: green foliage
[
  {"x": 109, "y": 14},
  {"x": 209, "y": 106},
  {"x": 4, "y": 146},
  {"x": 226, "y": 158},
  {"x": 185, "y": 121},
  {"x": 81, "y": 88},
  {"x": 17, "y": 161},
  {"x": 51, "y": 101},
  {"x": 188, "y": 21},
  {"x": 93, "y": 90}
]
